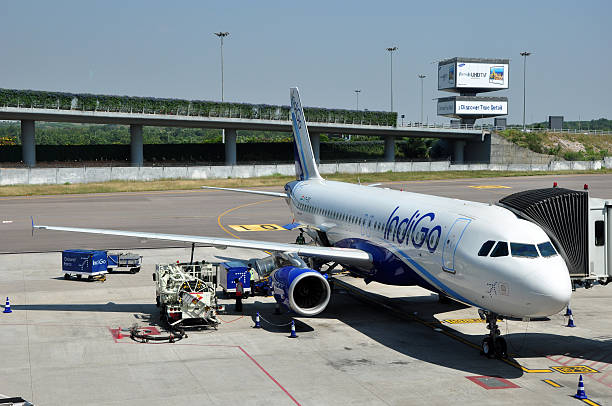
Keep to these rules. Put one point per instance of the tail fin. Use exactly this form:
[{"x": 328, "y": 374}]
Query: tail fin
[{"x": 305, "y": 164}]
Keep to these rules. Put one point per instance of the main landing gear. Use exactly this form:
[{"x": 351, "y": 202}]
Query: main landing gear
[{"x": 493, "y": 346}]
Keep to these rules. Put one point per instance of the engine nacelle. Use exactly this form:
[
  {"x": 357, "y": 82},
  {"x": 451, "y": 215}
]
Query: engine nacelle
[{"x": 303, "y": 290}]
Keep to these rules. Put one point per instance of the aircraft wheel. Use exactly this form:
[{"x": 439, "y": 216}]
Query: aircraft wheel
[
  {"x": 66, "y": 276},
  {"x": 501, "y": 348},
  {"x": 79, "y": 276},
  {"x": 487, "y": 348}
]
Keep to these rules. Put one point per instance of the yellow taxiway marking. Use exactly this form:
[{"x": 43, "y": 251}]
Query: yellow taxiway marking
[
  {"x": 236, "y": 208},
  {"x": 490, "y": 187},
  {"x": 590, "y": 402},
  {"x": 575, "y": 369},
  {"x": 552, "y": 383},
  {"x": 464, "y": 321},
  {"x": 257, "y": 227}
]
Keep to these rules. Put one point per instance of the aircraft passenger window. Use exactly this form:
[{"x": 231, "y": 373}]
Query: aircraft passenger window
[
  {"x": 547, "y": 249},
  {"x": 486, "y": 248},
  {"x": 600, "y": 234},
  {"x": 523, "y": 250},
  {"x": 500, "y": 250}
]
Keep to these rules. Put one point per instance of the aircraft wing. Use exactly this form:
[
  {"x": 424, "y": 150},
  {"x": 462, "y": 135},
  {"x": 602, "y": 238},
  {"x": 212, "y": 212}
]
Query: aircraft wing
[
  {"x": 348, "y": 256},
  {"x": 256, "y": 192}
]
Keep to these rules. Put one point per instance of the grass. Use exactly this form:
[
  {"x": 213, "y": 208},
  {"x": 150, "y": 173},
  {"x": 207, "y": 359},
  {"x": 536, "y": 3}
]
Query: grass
[{"x": 273, "y": 180}]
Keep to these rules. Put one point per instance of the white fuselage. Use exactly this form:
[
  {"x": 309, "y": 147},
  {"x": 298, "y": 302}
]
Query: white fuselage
[{"x": 437, "y": 240}]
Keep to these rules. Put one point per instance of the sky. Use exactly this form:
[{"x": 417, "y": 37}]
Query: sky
[{"x": 327, "y": 48}]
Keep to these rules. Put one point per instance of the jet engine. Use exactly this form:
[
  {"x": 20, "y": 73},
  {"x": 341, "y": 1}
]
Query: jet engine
[{"x": 303, "y": 290}]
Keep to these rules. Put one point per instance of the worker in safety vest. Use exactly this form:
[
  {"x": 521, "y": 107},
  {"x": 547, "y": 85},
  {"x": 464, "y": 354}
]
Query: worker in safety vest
[
  {"x": 300, "y": 238},
  {"x": 239, "y": 293},
  {"x": 253, "y": 276}
]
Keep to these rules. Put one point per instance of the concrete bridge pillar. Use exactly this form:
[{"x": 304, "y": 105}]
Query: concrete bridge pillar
[
  {"x": 459, "y": 146},
  {"x": 136, "y": 153},
  {"x": 315, "y": 140},
  {"x": 28, "y": 143},
  {"x": 230, "y": 146},
  {"x": 389, "y": 148}
]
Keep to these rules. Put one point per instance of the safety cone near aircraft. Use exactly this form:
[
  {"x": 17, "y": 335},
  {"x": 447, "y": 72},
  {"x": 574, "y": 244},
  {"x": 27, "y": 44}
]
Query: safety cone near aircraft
[
  {"x": 7, "y": 308},
  {"x": 257, "y": 322},
  {"x": 570, "y": 321},
  {"x": 580, "y": 394},
  {"x": 293, "y": 335}
]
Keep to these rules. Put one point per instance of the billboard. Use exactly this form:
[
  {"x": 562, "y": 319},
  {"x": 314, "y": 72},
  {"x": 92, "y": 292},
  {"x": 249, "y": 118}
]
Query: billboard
[
  {"x": 481, "y": 75},
  {"x": 480, "y": 108},
  {"x": 446, "y": 76},
  {"x": 460, "y": 107}
]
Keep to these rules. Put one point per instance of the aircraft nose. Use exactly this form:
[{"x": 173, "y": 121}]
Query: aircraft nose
[{"x": 552, "y": 294}]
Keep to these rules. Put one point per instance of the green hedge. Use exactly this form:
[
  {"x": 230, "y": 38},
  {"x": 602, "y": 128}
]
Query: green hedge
[{"x": 150, "y": 105}]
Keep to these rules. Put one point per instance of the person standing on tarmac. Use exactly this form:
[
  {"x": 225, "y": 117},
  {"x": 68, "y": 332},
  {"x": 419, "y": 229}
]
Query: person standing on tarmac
[
  {"x": 300, "y": 238},
  {"x": 253, "y": 274},
  {"x": 239, "y": 292}
]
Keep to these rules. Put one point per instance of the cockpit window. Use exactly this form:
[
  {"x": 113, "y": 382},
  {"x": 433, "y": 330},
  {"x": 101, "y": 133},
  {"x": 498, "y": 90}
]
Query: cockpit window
[
  {"x": 547, "y": 249},
  {"x": 500, "y": 250},
  {"x": 523, "y": 250},
  {"x": 486, "y": 248}
]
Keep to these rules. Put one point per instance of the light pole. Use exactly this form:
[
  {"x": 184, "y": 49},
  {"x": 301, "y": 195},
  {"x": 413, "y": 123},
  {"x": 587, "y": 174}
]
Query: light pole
[
  {"x": 221, "y": 35},
  {"x": 391, "y": 49},
  {"x": 357, "y": 91},
  {"x": 422, "y": 77},
  {"x": 524, "y": 54}
]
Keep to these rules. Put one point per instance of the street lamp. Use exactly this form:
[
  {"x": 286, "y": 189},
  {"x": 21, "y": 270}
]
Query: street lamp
[
  {"x": 221, "y": 35},
  {"x": 524, "y": 54},
  {"x": 357, "y": 91},
  {"x": 391, "y": 53},
  {"x": 422, "y": 77}
]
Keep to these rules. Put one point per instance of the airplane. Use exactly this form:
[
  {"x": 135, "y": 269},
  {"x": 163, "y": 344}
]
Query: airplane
[{"x": 478, "y": 254}]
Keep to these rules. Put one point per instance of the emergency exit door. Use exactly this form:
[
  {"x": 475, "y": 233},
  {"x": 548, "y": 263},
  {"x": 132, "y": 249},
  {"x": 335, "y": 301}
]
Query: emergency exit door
[{"x": 451, "y": 242}]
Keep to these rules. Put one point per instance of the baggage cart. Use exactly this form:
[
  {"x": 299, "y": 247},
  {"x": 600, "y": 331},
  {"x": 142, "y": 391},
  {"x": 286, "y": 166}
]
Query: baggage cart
[
  {"x": 90, "y": 263},
  {"x": 128, "y": 260},
  {"x": 230, "y": 271}
]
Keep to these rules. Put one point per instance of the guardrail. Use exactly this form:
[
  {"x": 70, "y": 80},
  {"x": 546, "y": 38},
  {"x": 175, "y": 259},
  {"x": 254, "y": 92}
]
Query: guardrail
[
  {"x": 35, "y": 99},
  {"x": 497, "y": 128}
]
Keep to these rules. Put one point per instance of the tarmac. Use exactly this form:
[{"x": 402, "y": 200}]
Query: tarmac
[{"x": 374, "y": 344}]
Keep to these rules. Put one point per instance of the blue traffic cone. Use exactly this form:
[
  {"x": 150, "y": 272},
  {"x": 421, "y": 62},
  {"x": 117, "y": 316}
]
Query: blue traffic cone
[
  {"x": 581, "y": 394},
  {"x": 7, "y": 308},
  {"x": 257, "y": 323},
  {"x": 570, "y": 322},
  {"x": 568, "y": 312},
  {"x": 293, "y": 335}
]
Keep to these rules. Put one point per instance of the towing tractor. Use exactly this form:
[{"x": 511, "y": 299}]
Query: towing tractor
[{"x": 185, "y": 294}]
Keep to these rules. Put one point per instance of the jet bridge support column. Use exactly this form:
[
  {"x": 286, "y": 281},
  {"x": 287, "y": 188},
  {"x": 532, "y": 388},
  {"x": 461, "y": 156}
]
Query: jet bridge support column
[
  {"x": 389, "y": 148},
  {"x": 315, "y": 140},
  {"x": 28, "y": 143},
  {"x": 230, "y": 146},
  {"x": 136, "y": 154}
]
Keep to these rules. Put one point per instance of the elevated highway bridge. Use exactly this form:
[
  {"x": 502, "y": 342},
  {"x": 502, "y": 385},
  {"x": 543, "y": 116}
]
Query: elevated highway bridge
[{"x": 468, "y": 142}]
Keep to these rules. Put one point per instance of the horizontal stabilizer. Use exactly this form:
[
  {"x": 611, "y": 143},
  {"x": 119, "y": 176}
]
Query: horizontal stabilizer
[{"x": 255, "y": 192}]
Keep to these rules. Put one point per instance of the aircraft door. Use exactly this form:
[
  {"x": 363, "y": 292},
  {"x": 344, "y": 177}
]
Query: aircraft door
[{"x": 451, "y": 242}]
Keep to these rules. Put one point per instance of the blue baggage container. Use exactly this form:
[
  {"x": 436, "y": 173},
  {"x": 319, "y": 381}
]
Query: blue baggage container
[
  {"x": 229, "y": 271},
  {"x": 84, "y": 262}
]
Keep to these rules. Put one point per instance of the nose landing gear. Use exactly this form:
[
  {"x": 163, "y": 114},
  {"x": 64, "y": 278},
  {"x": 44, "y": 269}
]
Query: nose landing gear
[{"x": 493, "y": 346}]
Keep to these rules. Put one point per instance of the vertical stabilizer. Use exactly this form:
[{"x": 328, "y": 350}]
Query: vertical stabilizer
[{"x": 305, "y": 164}]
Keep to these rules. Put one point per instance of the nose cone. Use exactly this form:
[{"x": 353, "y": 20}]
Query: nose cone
[{"x": 551, "y": 292}]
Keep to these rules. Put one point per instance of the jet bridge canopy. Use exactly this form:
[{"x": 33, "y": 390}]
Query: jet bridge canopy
[{"x": 564, "y": 215}]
